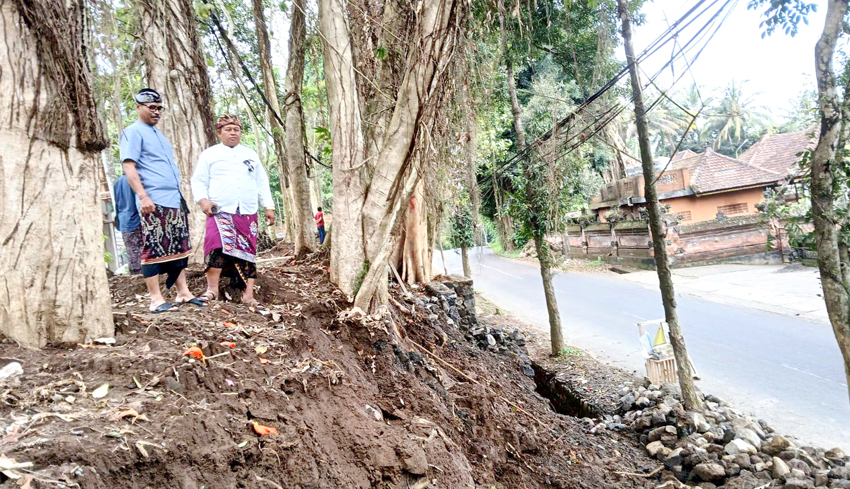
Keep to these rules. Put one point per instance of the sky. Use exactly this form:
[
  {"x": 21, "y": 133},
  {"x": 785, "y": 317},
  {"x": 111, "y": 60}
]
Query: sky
[{"x": 777, "y": 67}]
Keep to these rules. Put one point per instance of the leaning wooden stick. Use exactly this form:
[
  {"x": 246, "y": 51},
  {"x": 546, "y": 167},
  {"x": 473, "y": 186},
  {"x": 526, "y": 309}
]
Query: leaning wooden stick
[{"x": 398, "y": 277}]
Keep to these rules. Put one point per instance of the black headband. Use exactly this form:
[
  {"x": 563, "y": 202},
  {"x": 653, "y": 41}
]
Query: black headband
[{"x": 146, "y": 96}]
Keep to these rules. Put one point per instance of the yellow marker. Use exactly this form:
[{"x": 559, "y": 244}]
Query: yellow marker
[{"x": 660, "y": 339}]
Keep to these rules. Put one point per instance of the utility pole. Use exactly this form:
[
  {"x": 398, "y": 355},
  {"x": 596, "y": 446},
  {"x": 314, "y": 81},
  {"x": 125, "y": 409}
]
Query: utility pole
[{"x": 665, "y": 277}]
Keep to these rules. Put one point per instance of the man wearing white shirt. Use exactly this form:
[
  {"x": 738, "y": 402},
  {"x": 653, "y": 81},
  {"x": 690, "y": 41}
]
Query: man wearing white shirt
[{"x": 230, "y": 184}]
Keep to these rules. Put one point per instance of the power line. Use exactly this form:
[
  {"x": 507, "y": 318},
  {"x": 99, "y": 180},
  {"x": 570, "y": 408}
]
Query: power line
[{"x": 617, "y": 108}]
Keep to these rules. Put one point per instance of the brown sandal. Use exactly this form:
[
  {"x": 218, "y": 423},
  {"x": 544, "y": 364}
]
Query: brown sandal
[{"x": 208, "y": 296}]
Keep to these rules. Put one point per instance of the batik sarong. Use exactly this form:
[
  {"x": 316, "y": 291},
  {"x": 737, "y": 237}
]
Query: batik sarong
[
  {"x": 230, "y": 243},
  {"x": 133, "y": 245},
  {"x": 165, "y": 243}
]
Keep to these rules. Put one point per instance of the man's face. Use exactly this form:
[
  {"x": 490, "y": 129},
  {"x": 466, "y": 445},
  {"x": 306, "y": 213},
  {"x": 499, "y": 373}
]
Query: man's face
[
  {"x": 230, "y": 135},
  {"x": 150, "y": 113}
]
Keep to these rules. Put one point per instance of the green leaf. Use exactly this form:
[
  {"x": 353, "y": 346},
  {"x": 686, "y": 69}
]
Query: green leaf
[
  {"x": 381, "y": 53},
  {"x": 203, "y": 10}
]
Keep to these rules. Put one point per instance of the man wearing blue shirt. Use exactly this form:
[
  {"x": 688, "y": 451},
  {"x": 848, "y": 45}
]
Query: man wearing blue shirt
[
  {"x": 148, "y": 161},
  {"x": 128, "y": 222}
]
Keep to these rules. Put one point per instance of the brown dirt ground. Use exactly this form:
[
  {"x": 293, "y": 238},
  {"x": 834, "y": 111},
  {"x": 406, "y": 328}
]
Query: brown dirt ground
[{"x": 354, "y": 407}]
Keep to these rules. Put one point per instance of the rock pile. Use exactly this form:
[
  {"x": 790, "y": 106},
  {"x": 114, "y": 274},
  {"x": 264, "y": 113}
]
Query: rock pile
[
  {"x": 722, "y": 447},
  {"x": 455, "y": 296}
]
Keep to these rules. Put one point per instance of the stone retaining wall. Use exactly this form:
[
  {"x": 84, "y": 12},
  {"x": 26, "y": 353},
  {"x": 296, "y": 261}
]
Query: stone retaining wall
[{"x": 743, "y": 239}]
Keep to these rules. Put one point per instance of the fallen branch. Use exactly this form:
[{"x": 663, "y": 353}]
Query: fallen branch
[
  {"x": 398, "y": 277},
  {"x": 517, "y": 455},
  {"x": 645, "y": 476},
  {"x": 263, "y": 479},
  {"x": 399, "y": 305},
  {"x": 446, "y": 364},
  {"x": 467, "y": 377},
  {"x": 277, "y": 258}
]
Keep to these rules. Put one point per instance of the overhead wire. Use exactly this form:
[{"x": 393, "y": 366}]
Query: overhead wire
[{"x": 613, "y": 111}]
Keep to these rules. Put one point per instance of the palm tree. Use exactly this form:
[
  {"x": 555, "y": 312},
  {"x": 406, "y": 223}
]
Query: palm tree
[{"x": 736, "y": 118}]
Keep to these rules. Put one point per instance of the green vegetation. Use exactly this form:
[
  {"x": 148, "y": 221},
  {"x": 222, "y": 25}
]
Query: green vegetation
[{"x": 566, "y": 353}]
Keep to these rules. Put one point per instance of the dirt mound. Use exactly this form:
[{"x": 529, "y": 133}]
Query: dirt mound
[{"x": 353, "y": 406}]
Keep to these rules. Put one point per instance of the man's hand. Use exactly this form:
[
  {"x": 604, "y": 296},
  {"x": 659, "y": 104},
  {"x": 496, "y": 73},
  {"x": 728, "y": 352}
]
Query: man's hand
[
  {"x": 146, "y": 205},
  {"x": 207, "y": 206},
  {"x": 270, "y": 217}
]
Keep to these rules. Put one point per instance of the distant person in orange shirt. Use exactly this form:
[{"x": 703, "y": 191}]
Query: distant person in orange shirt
[{"x": 320, "y": 224}]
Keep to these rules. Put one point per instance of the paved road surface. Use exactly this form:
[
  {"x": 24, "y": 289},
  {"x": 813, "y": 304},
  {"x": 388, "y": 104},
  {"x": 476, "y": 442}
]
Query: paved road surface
[{"x": 786, "y": 370}]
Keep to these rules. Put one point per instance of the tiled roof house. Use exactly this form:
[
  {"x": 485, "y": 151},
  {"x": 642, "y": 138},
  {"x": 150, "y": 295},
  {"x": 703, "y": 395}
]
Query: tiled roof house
[{"x": 698, "y": 186}]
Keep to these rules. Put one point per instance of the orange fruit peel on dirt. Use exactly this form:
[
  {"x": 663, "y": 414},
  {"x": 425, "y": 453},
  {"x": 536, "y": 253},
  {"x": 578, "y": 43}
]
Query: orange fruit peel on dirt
[
  {"x": 228, "y": 344},
  {"x": 263, "y": 430},
  {"x": 194, "y": 352}
]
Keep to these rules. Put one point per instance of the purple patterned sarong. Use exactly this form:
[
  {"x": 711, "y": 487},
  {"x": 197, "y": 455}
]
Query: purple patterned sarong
[{"x": 235, "y": 234}]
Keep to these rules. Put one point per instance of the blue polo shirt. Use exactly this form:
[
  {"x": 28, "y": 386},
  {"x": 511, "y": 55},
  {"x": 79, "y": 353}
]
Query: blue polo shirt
[
  {"x": 125, "y": 206},
  {"x": 154, "y": 159}
]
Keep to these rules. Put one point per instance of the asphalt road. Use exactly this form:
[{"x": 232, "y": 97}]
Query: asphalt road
[{"x": 786, "y": 370}]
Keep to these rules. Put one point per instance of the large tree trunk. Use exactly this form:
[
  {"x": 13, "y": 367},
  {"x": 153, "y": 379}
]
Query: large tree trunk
[
  {"x": 471, "y": 183},
  {"x": 833, "y": 275},
  {"x": 296, "y": 156},
  {"x": 264, "y": 48},
  {"x": 347, "y": 252},
  {"x": 431, "y": 48},
  {"x": 533, "y": 187},
  {"x": 394, "y": 174},
  {"x": 53, "y": 287},
  {"x": 415, "y": 256},
  {"x": 176, "y": 68},
  {"x": 662, "y": 265}
]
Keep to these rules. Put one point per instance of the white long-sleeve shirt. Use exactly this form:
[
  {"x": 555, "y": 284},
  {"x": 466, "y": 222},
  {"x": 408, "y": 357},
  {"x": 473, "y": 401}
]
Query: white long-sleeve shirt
[{"x": 233, "y": 178}]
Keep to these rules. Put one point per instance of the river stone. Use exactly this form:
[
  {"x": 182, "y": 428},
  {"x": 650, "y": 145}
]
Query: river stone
[
  {"x": 800, "y": 465},
  {"x": 749, "y": 436},
  {"x": 662, "y": 433},
  {"x": 743, "y": 460},
  {"x": 672, "y": 390},
  {"x": 674, "y": 458},
  {"x": 699, "y": 423},
  {"x": 735, "y": 447},
  {"x": 658, "y": 417},
  {"x": 780, "y": 468},
  {"x": 745, "y": 480},
  {"x": 627, "y": 401},
  {"x": 776, "y": 445},
  {"x": 835, "y": 455},
  {"x": 643, "y": 402},
  {"x": 798, "y": 484},
  {"x": 710, "y": 472},
  {"x": 654, "y": 448}
]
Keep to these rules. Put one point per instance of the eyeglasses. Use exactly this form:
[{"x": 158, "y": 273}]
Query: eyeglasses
[{"x": 155, "y": 108}]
